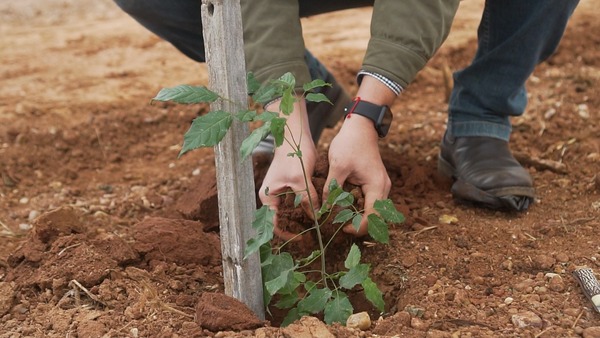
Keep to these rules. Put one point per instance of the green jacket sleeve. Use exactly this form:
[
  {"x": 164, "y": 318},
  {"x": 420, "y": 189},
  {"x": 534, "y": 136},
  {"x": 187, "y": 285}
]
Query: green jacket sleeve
[
  {"x": 405, "y": 34},
  {"x": 273, "y": 41}
]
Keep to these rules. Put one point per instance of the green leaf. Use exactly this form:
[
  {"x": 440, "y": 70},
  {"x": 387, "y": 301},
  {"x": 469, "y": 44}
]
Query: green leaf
[
  {"x": 253, "y": 140},
  {"x": 263, "y": 224},
  {"x": 293, "y": 282},
  {"x": 206, "y": 131},
  {"x": 246, "y": 115},
  {"x": 186, "y": 94},
  {"x": 252, "y": 83},
  {"x": 356, "y": 220},
  {"x": 287, "y": 101},
  {"x": 373, "y": 294},
  {"x": 318, "y": 83},
  {"x": 266, "y": 254},
  {"x": 317, "y": 97},
  {"x": 267, "y": 116},
  {"x": 287, "y": 301},
  {"x": 287, "y": 80},
  {"x": 333, "y": 185},
  {"x": 309, "y": 285},
  {"x": 278, "y": 129},
  {"x": 277, "y": 275},
  {"x": 353, "y": 257},
  {"x": 266, "y": 93},
  {"x": 297, "y": 200},
  {"x": 378, "y": 230},
  {"x": 315, "y": 301},
  {"x": 388, "y": 211},
  {"x": 343, "y": 216},
  {"x": 338, "y": 309},
  {"x": 345, "y": 199},
  {"x": 355, "y": 275},
  {"x": 310, "y": 258},
  {"x": 292, "y": 316}
]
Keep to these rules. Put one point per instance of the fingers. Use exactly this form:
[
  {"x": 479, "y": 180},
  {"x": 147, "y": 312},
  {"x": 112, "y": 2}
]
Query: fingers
[{"x": 371, "y": 193}]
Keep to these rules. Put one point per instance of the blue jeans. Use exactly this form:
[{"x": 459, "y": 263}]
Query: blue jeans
[{"x": 514, "y": 36}]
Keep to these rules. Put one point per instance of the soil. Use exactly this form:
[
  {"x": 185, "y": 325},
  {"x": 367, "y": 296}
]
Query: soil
[{"x": 104, "y": 232}]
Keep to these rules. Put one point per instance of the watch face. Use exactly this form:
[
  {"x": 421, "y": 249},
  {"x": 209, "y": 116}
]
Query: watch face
[{"x": 384, "y": 122}]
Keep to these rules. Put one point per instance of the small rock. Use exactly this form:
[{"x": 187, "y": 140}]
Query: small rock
[
  {"x": 7, "y": 296},
  {"x": 24, "y": 200},
  {"x": 408, "y": 261},
  {"x": 360, "y": 321},
  {"x": 526, "y": 319},
  {"x": 562, "y": 257},
  {"x": 448, "y": 219},
  {"x": 524, "y": 286},
  {"x": 307, "y": 327},
  {"x": 24, "y": 226},
  {"x": 591, "y": 332},
  {"x": 418, "y": 324},
  {"x": 438, "y": 334},
  {"x": 543, "y": 262},
  {"x": 508, "y": 300},
  {"x": 33, "y": 214},
  {"x": 507, "y": 265},
  {"x": 556, "y": 284}
]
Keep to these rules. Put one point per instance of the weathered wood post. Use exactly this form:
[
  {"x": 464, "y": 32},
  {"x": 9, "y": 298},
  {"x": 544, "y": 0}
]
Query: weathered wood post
[{"x": 223, "y": 38}]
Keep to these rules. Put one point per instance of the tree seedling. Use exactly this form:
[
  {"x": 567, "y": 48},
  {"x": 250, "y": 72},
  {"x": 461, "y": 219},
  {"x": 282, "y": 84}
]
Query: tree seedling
[{"x": 286, "y": 279}]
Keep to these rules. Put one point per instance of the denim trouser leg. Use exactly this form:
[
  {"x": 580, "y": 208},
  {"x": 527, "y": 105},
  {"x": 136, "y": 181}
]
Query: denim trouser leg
[
  {"x": 179, "y": 22},
  {"x": 513, "y": 37}
]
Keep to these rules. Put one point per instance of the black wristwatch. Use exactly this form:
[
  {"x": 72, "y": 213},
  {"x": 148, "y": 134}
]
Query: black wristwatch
[{"x": 380, "y": 115}]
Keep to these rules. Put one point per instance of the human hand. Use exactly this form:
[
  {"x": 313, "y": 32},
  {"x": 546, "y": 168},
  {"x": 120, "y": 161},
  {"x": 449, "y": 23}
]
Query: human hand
[
  {"x": 354, "y": 158},
  {"x": 287, "y": 173}
]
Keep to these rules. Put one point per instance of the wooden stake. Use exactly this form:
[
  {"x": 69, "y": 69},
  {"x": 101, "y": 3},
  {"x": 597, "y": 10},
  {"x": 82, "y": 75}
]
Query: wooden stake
[{"x": 222, "y": 24}]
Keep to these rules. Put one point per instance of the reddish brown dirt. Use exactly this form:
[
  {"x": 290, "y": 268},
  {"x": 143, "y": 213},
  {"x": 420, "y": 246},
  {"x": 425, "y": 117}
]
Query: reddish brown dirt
[{"x": 104, "y": 232}]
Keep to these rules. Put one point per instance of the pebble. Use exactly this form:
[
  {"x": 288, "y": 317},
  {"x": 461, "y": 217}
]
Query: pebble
[
  {"x": 25, "y": 226},
  {"x": 507, "y": 265},
  {"x": 562, "y": 257},
  {"x": 196, "y": 172},
  {"x": 556, "y": 284},
  {"x": 418, "y": 324},
  {"x": 508, "y": 300},
  {"x": 592, "y": 332},
  {"x": 543, "y": 262},
  {"x": 526, "y": 319},
  {"x": 24, "y": 200},
  {"x": 33, "y": 214},
  {"x": 360, "y": 321},
  {"x": 524, "y": 286}
]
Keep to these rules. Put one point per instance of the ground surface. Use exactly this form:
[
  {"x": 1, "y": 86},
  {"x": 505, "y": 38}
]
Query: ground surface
[{"x": 105, "y": 232}]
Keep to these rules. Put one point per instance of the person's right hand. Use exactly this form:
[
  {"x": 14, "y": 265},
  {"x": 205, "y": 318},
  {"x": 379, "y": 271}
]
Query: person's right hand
[
  {"x": 286, "y": 174},
  {"x": 354, "y": 158}
]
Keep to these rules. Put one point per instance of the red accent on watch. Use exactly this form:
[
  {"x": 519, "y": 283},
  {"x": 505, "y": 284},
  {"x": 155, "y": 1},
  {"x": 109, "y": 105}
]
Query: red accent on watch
[{"x": 356, "y": 101}]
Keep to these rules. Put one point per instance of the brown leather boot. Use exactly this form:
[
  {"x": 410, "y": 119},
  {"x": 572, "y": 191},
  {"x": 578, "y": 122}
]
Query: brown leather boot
[{"x": 485, "y": 173}]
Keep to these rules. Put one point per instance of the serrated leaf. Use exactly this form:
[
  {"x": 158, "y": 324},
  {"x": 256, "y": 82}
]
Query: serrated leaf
[
  {"x": 267, "y": 116},
  {"x": 318, "y": 83},
  {"x": 356, "y": 220},
  {"x": 343, "y": 216},
  {"x": 250, "y": 142},
  {"x": 266, "y": 254},
  {"x": 266, "y": 93},
  {"x": 345, "y": 199},
  {"x": 288, "y": 80},
  {"x": 354, "y": 276},
  {"x": 338, "y": 309},
  {"x": 293, "y": 282},
  {"x": 315, "y": 301},
  {"x": 310, "y": 258},
  {"x": 278, "y": 129},
  {"x": 246, "y": 115},
  {"x": 206, "y": 131},
  {"x": 287, "y": 101},
  {"x": 378, "y": 229},
  {"x": 317, "y": 97},
  {"x": 252, "y": 83},
  {"x": 287, "y": 301},
  {"x": 291, "y": 317},
  {"x": 353, "y": 257},
  {"x": 263, "y": 224},
  {"x": 373, "y": 294},
  {"x": 388, "y": 211},
  {"x": 186, "y": 94},
  {"x": 278, "y": 273}
]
